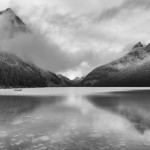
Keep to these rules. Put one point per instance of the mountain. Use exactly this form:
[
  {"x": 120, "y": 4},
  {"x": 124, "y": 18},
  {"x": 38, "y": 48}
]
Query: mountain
[
  {"x": 14, "y": 72},
  {"x": 65, "y": 81},
  {"x": 132, "y": 70},
  {"x": 76, "y": 82},
  {"x": 11, "y": 24}
]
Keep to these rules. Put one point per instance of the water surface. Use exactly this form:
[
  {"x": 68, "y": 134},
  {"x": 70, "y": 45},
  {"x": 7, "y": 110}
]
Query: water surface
[{"x": 75, "y": 119}]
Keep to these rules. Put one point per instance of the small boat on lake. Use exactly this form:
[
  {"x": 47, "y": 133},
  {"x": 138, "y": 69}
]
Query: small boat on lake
[{"x": 17, "y": 89}]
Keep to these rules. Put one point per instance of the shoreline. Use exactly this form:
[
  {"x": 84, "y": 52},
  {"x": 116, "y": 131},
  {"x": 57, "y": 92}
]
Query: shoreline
[{"x": 57, "y": 91}]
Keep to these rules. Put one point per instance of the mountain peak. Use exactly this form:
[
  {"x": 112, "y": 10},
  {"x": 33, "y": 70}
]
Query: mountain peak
[
  {"x": 138, "y": 45},
  {"x": 8, "y": 10},
  {"x": 12, "y": 22},
  {"x": 148, "y": 48}
]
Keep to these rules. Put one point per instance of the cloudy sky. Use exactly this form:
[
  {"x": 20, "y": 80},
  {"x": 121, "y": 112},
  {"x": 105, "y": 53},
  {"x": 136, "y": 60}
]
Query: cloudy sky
[{"x": 75, "y": 36}]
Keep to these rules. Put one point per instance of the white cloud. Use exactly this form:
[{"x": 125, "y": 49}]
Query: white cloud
[{"x": 99, "y": 28}]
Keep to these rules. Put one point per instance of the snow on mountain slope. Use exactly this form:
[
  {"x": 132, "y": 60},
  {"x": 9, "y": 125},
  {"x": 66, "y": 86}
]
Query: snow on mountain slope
[{"x": 131, "y": 70}]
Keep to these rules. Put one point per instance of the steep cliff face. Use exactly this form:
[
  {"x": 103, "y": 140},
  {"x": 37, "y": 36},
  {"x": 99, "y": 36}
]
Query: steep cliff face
[{"x": 130, "y": 71}]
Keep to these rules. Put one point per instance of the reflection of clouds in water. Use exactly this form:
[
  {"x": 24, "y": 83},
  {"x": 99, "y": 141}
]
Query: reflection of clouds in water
[
  {"x": 3, "y": 133},
  {"x": 105, "y": 120},
  {"x": 79, "y": 102},
  {"x": 137, "y": 114},
  {"x": 77, "y": 113},
  {"x": 110, "y": 123},
  {"x": 133, "y": 106},
  {"x": 63, "y": 119}
]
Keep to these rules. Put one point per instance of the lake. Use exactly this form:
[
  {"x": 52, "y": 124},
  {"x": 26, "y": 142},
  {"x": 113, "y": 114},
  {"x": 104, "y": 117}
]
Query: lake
[{"x": 75, "y": 119}]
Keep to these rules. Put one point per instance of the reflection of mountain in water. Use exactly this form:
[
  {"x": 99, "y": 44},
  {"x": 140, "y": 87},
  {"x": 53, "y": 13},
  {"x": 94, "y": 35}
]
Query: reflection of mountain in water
[
  {"x": 13, "y": 107},
  {"x": 134, "y": 106},
  {"x": 130, "y": 105},
  {"x": 113, "y": 121}
]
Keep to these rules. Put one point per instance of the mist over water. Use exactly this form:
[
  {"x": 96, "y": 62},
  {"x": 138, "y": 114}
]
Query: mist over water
[{"x": 76, "y": 121}]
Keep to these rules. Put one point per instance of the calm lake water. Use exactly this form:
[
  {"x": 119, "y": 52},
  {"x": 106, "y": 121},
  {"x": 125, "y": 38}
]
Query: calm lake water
[{"x": 75, "y": 119}]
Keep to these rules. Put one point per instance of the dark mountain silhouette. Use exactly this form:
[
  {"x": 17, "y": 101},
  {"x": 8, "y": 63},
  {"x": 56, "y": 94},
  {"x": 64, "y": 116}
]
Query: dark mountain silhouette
[
  {"x": 132, "y": 70},
  {"x": 16, "y": 73}
]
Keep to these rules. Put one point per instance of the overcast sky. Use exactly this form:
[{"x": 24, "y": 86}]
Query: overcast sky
[{"x": 84, "y": 33}]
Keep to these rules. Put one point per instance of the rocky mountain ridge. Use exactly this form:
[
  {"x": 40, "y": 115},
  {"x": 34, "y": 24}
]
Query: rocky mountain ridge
[{"x": 129, "y": 71}]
